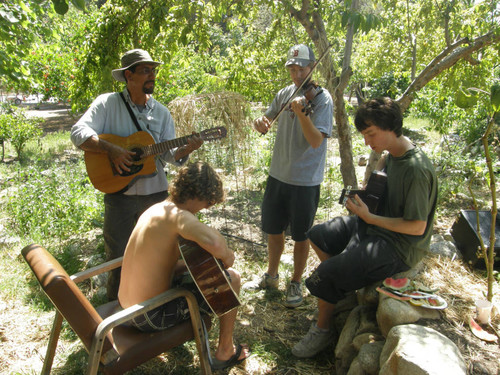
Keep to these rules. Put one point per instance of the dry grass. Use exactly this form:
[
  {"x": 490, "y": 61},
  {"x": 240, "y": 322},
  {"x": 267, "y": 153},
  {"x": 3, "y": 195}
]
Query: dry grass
[
  {"x": 459, "y": 285},
  {"x": 206, "y": 110}
]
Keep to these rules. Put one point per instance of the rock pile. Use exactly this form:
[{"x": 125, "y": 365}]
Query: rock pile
[{"x": 378, "y": 335}]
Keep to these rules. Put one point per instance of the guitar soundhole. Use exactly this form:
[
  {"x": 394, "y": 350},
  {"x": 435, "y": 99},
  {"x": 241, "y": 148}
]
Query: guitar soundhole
[
  {"x": 137, "y": 166},
  {"x": 134, "y": 168},
  {"x": 138, "y": 154}
]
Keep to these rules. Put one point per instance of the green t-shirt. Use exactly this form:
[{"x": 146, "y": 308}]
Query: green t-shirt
[{"x": 411, "y": 193}]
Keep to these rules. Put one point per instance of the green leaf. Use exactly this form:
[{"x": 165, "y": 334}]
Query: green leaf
[
  {"x": 25, "y": 70},
  {"x": 25, "y": 8},
  {"x": 60, "y": 6},
  {"x": 495, "y": 97},
  {"x": 79, "y": 4},
  {"x": 464, "y": 100},
  {"x": 8, "y": 16},
  {"x": 345, "y": 19}
]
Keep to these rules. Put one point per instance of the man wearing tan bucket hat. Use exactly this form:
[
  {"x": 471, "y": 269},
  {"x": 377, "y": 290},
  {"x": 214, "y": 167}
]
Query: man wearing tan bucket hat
[{"x": 123, "y": 114}]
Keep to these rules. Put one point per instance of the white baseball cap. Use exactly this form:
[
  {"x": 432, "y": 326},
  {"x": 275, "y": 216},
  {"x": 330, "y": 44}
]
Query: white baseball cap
[{"x": 300, "y": 55}]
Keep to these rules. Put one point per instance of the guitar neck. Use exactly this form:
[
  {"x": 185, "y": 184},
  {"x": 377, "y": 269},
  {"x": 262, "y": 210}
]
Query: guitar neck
[{"x": 160, "y": 148}]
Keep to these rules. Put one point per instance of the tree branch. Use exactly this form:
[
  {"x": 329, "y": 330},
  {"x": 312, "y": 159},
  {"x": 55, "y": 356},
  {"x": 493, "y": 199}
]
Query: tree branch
[
  {"x": 445, "y": 60},
  {"x": 122, "y": 30}
]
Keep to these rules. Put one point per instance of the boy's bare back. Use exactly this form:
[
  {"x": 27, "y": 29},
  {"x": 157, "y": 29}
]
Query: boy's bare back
[{"x": 152, "y": 254}]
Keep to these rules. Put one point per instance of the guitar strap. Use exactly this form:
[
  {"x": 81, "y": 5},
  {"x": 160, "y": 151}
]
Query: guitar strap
[
  {"x": 134, "y": 119},
  {"x": 136, "y": 123}
]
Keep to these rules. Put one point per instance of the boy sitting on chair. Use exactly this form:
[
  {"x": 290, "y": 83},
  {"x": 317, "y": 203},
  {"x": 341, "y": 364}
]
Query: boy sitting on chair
[{"x": 152, "y": 257}]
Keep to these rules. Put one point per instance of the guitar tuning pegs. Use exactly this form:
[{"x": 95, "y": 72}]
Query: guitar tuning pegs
[{"x": 347, "y": 192}]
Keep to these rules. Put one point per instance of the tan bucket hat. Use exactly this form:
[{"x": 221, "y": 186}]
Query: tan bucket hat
[{"x": 131, "y": 58}]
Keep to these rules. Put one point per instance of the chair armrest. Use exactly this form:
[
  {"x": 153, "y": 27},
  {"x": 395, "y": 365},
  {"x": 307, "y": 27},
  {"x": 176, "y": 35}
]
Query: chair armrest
[
  {"x": 133, "y": 311},
  {"x": 97, "y": 270},
  {"x": 143, "y": 307}
]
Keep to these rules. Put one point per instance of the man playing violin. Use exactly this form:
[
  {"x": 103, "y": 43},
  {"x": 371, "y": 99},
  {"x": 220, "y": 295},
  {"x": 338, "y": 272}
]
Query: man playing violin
[{"x": 297, "y": 168}]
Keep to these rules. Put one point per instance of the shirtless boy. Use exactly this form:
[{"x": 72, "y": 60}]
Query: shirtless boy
[{"x": 152, "y": 257}]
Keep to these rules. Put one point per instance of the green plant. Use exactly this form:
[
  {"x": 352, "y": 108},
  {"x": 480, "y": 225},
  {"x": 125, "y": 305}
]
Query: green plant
[
  {"x": 389, "y": 84},
  {"x": 487, "y": 252},
  {"x": 53, "y": 203},
  {"x": 5, "y": 124},
  {"x": 18, "y": 128}
]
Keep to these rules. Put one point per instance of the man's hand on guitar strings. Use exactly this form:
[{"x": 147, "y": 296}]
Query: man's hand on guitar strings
[
  {"x": 120, "y": 158},
  {"x": 229, "y": 259}
]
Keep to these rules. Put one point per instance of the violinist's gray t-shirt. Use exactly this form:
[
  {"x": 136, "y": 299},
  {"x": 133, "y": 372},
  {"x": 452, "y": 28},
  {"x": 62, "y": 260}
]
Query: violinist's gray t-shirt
[{"x": 294, "y": 161}]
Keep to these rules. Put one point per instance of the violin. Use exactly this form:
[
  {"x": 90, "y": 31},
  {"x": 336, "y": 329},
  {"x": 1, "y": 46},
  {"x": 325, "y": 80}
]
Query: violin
[{"x": 311, "y": 89}]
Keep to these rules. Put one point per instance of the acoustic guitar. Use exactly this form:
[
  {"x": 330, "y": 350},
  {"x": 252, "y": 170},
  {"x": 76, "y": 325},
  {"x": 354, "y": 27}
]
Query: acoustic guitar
[
  {"x": 209, "y": 276},
  {"x": 374, "y": 191},
  {"x": 106, "y": 178}
]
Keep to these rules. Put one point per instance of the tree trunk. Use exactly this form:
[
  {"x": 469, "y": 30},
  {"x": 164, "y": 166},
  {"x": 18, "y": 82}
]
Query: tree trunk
[{"x": 347, "y": 168}]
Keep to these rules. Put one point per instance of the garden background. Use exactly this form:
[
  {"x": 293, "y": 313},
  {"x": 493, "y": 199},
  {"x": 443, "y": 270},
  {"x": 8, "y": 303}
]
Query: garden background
[{"x": 223, "y": 63}]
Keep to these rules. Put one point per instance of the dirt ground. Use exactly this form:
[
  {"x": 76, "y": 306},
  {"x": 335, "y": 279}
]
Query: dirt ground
[
  {"x": 481, "y": 357},
  {"x": 57, "y": 117}
]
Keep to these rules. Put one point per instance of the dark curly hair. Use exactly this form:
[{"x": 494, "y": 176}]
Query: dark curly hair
[
  {"x": 382, "y": 112},
  {"x": 197, "y": 180}
]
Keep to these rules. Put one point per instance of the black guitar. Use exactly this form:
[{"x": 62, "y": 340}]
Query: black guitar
[{"x": 371, "y": 195}]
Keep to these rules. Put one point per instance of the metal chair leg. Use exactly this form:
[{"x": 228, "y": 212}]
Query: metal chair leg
[{"x": 51, "y": 348}]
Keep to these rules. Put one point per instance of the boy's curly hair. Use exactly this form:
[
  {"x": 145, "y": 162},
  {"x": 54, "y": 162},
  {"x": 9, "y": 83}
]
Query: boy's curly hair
[{"x": 197, "y": 180}]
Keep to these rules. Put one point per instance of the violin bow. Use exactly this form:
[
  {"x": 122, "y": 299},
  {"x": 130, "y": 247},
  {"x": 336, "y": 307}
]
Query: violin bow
[{"x": 294, "y": 94}]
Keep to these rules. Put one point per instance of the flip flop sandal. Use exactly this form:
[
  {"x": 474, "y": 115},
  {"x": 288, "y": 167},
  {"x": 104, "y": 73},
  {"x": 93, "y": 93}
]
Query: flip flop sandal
[{"x": 217, "y": 364}]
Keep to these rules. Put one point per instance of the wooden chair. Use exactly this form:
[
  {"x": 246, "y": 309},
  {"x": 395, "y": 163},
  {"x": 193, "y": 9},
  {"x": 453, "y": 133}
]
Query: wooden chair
[{"x": 113, "y": 347}]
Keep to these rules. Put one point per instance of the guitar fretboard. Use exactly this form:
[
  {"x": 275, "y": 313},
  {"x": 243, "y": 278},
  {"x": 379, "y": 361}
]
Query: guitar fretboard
[{"x": 160, "y": 148}]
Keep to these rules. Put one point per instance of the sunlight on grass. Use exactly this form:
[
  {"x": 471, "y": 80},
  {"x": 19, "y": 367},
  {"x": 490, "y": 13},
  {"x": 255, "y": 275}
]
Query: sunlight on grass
[{"x": 416, "y": 123}]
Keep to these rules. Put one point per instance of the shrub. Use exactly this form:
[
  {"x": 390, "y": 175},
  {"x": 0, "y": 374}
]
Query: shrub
[
  {"x": 5, "y": 127},
  {"x": 23, "y": 129},
  {"x": 18, "y": 128},
  {"x": 54, "y": 203}
]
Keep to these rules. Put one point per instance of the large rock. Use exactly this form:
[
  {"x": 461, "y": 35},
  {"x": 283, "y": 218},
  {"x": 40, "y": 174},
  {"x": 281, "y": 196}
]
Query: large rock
[
  {"x": 369, "y": 357},
  {"x": 392, "y": 312},
  {"x": 345, "y": 351},
  {"x": 444, "y": 248},
  {"x": 416, "y": 350},
  {"x": 360, "y": 328}
]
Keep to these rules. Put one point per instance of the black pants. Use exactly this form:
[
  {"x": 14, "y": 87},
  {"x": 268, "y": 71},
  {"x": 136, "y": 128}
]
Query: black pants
[{"x": 357, "y": 259}]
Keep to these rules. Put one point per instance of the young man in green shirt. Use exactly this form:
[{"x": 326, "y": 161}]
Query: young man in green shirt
[{"x": 366, "y": 247}]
